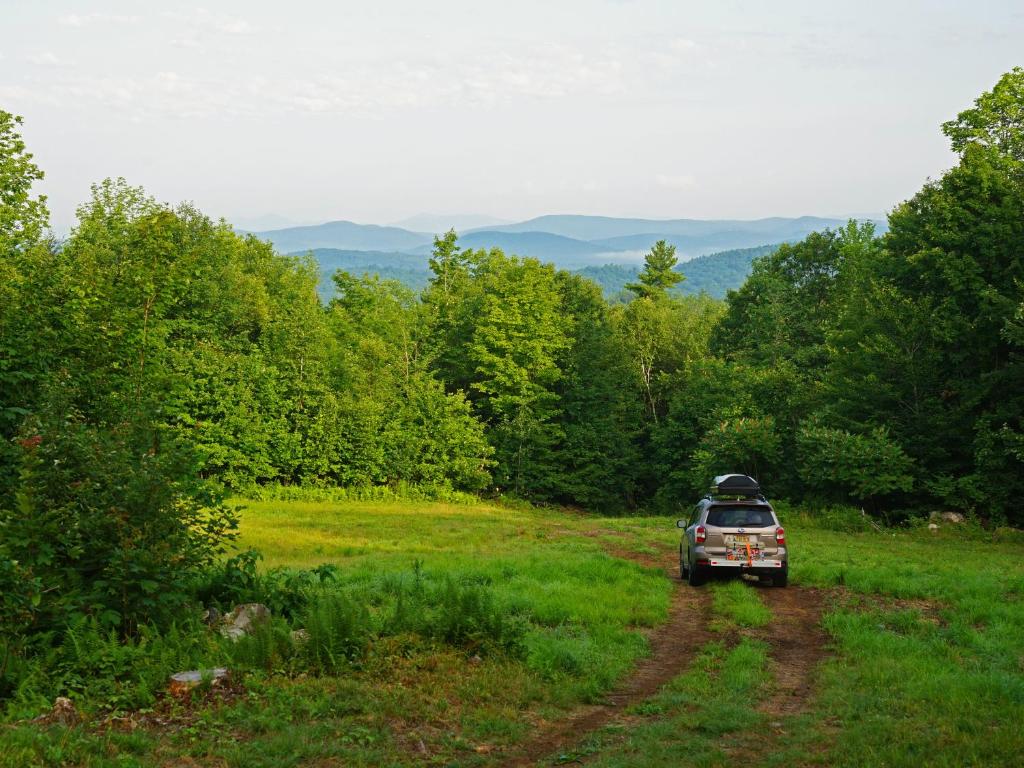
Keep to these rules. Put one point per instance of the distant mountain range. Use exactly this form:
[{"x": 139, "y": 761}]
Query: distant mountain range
[
  {"x": 570, "y": 242},
  {"x": 714, "y": 274},
  {"x": 438, "y": 222},
  {"x": 595, "y": 228},
  {"x": 344, "y": 235}
]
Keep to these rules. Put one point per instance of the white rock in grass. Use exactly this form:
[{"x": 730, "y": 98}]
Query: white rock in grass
[
  {"x": 243, "y": 620},
  {"x": 186, "y": 681}
]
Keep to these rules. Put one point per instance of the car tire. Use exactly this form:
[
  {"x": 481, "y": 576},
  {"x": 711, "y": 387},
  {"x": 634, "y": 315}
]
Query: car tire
[
  {"x": 782, "y": 579},
  {"x": 695, "y": 577},
  {"x": 682, "y": 566}
]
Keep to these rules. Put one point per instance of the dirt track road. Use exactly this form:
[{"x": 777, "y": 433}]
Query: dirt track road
[{"x": 795, "y": 638}]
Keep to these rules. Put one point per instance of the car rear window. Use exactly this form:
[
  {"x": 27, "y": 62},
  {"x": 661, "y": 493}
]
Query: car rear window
[{"x": 740, "y": 517}]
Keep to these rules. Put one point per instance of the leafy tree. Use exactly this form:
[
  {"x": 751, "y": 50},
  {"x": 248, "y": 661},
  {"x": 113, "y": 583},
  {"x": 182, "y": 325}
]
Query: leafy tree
[
  {"x": 400, "y": 424},
  {"x": 658, "y": 274},
  {"x": 26, "y": 265},
  {"x": 701, "y": 395},
  {"x": 434, "y": 439},
  {"x": 841, "y": 466},
  {"x": 995, "y": 121},
  {"x": 735, "y": 443},
  {"x": 659, "y": 336},
  {"x": 789, "y": 303},
  {"x": 517, "y": 339},
  {"x": 23, "y": 218},
  {"x": 598, "y": 457},
  {"x": 451, "y": 304}
]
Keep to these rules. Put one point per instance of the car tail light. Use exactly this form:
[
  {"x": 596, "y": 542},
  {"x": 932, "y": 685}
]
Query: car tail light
[
  {"x": 780, "y": 536},
  {"x": 700, "y": 535}
]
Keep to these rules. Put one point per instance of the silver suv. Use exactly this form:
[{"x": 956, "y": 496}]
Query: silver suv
[{"x": 733, "y": 530}]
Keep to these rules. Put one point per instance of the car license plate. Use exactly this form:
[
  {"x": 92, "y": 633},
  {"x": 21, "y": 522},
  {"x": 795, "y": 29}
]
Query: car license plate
[{"x": 740, "y": 540}]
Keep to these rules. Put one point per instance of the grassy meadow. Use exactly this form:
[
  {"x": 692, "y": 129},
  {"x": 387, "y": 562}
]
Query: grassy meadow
[{"x": 918, "y": 634}]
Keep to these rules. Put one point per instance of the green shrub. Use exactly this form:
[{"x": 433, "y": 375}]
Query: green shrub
[
  {"x": 338, "y": 633},
  {"x": 269, "y": 648},
  {"x": 232, "y": 581},
  {"x": 829, "y": 517},
  {"x": 840, "y": 466},
  {"x": 462, "y": 614},
  {"x": 285, "y": 591},
  {"x": 400, "y": 491},
  {"x": 100, "y": 669},
  {"x": 109, "y": 523},
  {"x": 736, "y": 443},
  {"x": 20, "y": 597}
]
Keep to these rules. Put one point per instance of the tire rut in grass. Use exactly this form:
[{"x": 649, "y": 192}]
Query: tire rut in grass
[
  {"x": 673, "y": 646},
  {"x": 797, "y": 644}
]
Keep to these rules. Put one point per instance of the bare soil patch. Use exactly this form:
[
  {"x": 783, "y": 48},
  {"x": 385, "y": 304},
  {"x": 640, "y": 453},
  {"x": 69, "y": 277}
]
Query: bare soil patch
[{"x": 797, "y": 645}]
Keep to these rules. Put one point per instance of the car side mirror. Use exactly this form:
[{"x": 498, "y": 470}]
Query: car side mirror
[{"x": 680, "y": 523}]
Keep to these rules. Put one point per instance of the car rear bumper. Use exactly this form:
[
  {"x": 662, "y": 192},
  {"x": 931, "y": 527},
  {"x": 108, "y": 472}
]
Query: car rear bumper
[{"x": 759, "y": 567}]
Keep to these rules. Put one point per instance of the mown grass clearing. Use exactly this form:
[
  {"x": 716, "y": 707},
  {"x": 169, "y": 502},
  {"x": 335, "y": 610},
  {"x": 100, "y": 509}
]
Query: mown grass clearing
[
  {"x": 585, "y": 615},
  {"x": 926, "y": 664}
]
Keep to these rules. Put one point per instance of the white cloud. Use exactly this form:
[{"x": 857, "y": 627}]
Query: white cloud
[
  {"x": 202, "y": 19},
  {"x": 71, "y": 20},
  {"x": 235, "y": 27},
  {"x": 365, "y": 86}
]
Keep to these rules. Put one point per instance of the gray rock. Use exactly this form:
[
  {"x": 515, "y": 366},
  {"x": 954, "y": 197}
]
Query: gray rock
[
  {"x": 932, "y": 527},
  {"x": 244, "y": 619},
  {"x": 300, "y": 637},
  {"x": 946, "y": 517}
]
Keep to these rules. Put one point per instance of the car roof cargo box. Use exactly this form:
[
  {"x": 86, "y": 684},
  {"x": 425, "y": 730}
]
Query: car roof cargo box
[{"x": 735, "y": 485}]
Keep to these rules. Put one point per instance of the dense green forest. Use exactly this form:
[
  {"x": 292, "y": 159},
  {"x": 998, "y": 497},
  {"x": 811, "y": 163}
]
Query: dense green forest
[
  {"x": 874, "y": 370},
  {"x": 714, "y": 274},
  {"x": 156, "y": 356}
]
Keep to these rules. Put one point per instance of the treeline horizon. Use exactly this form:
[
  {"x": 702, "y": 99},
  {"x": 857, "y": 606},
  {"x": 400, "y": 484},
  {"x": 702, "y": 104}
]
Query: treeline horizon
[
  {"x": 885, "y": 372},
  {"x": 713, "y": 273}
]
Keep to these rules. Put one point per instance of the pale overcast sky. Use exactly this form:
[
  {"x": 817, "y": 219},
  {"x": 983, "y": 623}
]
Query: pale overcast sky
[{"x": 375, "y": 111}]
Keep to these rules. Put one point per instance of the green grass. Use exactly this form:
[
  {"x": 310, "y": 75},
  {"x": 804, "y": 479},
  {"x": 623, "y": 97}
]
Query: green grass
[
  {"x": 701, "y": 718},
  {"x": 388, "y": 535},
  {"x": 736, "y": 604},
  {"x": 585, "y": 613},
  {"x": 928, "y": 669},
  {"x": 926, "y": 631}
]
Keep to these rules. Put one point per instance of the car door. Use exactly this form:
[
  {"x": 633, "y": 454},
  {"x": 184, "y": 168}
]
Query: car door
[{"x": 691, "y": 526}]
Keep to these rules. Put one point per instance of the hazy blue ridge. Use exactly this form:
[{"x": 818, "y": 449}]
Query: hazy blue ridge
[
  {"x": 715, "y": 273},
  {"x": 345, "y": 235},
  {"x": 563, "y": 251},
  {"x": 604, "y": 228},
  {"x": 691, "y": 246},
  {"x": 570, "y": 242}
]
